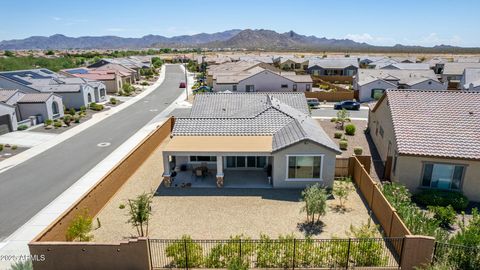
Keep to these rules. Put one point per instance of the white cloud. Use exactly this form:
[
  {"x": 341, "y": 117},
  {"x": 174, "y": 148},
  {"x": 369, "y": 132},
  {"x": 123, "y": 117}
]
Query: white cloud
[
  {"x": 373, "y": 40},
  {"x": 56, "y": 18}
]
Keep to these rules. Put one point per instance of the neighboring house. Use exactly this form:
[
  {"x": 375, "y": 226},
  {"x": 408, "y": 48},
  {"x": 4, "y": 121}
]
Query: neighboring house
[
  {"x": 262, "y": 80},
  {"x": 437, "y": 64},
  {"x": 371, "y": 83},
  {"x": 333, "y": 67},
  {"x": 380, "y": 63},
  {"x": 112, "y": 79},
  {"x": 8, "y": 118},
  {"x": 470, "y": 79},
  {"x": 452, "y": 73},
  {"x": 409, "y": 66},
  {"x": 32, "y": 108},
  {"x": 75, "y": 92},
  {"x": 292, "y": 63},
  {"x": 429, "y": 139},
  {"x": 129, "y": 66},
  {"x": 232, "y": 68},
  {"x": 267, "y": 136}
]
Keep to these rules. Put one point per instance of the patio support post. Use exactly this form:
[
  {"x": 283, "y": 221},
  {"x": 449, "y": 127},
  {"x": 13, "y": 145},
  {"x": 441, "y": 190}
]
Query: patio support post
[
  {"x": 166, "y": 170},
  {"x": 220, "y": 174}
]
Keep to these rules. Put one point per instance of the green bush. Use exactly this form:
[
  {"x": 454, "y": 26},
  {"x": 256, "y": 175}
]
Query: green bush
[
  {"x": 80, "y": 227},
  {"x": 121, "y": 206},
  {"x": 358, "y": 150},
  {"x": 368, "y": 251},
  {"x": 14, "y": 147},
  {"x": 226, "y": 255},
  {"x": 333, "y": 119},
  {"x": 57, "y": 124},
  {"x": 436, "y": 197},
  {"x": 337, "y": 135},
  {"x": 67, "y": 119},
  {"x": 83, "y": 108},
  {"x": 144, "y": 83},
  {"x": 350, "y": 129},
  {"x": 343, "y": 144},
  {"x": 48, "y": 122},
  {"x": 76, "y": 119},
  {"x": 445, "y": 215},
  {"x": 96, "y": 107},
  {"x": 113, "y": 100},
  {"x": 72, "y": 111},
  {"x": 22, "y": 127},
  {"x": 1, "y": 147},
  {"x": 176, "y": 251}
]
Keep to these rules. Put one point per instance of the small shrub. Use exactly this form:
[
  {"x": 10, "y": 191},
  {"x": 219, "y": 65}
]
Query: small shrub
[
  {"x": 72, "y": 111},
  {"x": 342, "y": 189},
  {"x": 435, "y": 197},
  {"x": 1, "y": 147},
  {"x": 358, "y": 150},
  {"x": 22, "y": 127},
  {"x": 113, "y": 101},
  {"x": 48, "y": 122},
  {"x": 337, "y": 135},
  {"x": 350, "y": 129},
  {"x": 445, "y": 215},
  {"x": 333, "y": 119},
  {"x": 144, "y": 83},
  {"x": 121, "y": 206},
  {"x": 343, "y": 144},
  {"x": 83, "y": 108},
  {"x": 176, "y": 251},
  {"x": 80, "y": 227},
  {"x": 14, "y": 147},
  {"x": 67, "y": 119},
  {"x": 57, "y": 124},
  {"x": 76, "y": 119},
  {"x": 96, "y": 107}
]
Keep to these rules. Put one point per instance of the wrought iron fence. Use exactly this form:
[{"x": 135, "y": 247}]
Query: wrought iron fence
[
  {"x": 283, "y": 253},
  {"x": 456, "y": 256}
]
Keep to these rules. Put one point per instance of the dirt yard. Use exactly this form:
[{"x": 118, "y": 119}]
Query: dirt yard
[{"x": 209, "y": 213}]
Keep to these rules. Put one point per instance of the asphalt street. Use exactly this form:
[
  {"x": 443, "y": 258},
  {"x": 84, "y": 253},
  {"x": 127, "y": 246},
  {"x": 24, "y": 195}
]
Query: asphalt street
[
  {"x": 330, "y": 112},
  {"x": 30, "y": 186}
]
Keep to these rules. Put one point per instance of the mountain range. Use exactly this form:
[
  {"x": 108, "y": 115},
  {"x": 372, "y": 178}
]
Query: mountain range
[{"x": 259, "y": 39}]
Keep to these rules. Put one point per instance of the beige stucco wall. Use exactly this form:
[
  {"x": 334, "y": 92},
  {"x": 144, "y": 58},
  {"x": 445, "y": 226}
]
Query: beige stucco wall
[
  {"x": 409, "y": 172},
  {"x": 280, "y": 165},
  {"x": 383, "y": 117}
]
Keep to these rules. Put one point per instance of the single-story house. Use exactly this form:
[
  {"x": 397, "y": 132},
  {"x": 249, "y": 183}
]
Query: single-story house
[
  {"x": 231, "y": 68},
  {"x": 130, "y": 63},
  {"x": 409, "y": 66},
  {"x": 265, "y": 138},
  {"x": 8, "y": 118},
  {"x": 372, "y": 83},
  {"x": 453, "y": 72},
  {"x": 262, "y": 80},
  {"x": 333, "y": 67},
  {"x": 292, "y": 63},
  {"x": 429, "y": 139},
  {"x": 470, "y": 79},
  {"x": 75, "y": 92},
  {"x": 112, "y": 79},
  {"x": 31, "y": 108}
]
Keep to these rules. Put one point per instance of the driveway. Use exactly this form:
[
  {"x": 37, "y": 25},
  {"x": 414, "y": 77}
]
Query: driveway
[
  {"x": 25, "y": 138},
  {"x": 33, "y": 184},
  {"x": 327, "y": 111}
]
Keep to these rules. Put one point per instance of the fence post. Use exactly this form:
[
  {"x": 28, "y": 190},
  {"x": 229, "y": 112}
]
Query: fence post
[
  {"x": 186, "y": 253},
  {"x": 348, "y": 252},
  {"x": 240, "y": 249},
  {"x": 294, "y": 251}
]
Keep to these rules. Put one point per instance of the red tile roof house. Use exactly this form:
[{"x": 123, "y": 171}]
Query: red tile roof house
[
  {"x": 28, "y": 108},
  {"x": 429, "y": 139},
  {"x": 111, "y": 78}
]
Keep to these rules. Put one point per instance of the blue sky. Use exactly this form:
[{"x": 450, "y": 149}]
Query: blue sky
[{"x": 387, "y": 22}]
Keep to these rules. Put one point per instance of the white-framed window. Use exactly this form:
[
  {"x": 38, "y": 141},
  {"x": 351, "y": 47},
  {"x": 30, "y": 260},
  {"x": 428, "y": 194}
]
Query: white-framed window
[
  {"x": 203, "y": 158},
  {"x": 304, "y": 167},
  {"x": 442, "y": 175},
  {"x": 234, "y": 88}
]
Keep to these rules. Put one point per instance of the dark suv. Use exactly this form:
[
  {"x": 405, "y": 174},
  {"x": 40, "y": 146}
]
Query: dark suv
[{"x": 347, "y": 105}]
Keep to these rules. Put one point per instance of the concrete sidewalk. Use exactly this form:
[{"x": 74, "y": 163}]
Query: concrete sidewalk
[
  {"x": 26, "y": 138},
  {"x": 16, "y": 245}
]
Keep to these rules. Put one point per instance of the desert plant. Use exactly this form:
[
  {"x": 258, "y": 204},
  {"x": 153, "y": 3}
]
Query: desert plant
[
  {"x": 315, "y": 198},
  {"x": 333, "y": 119},
  {"x": 342, "y": 190},
  {"x": 57, "y": 124},
  {"x": 48, "y": 122},
  {"x": 358, "y": 150},
  {"x": 442, "y": 198},
  {"x": 127, "y": 89},
  {"x": 14, "y": 147},
  {"x": 22, "y": 127},
  {"x": 1, "y": 147},
  {"x": 121, "y": 206},
  {"x": 72, "y": 111},
  {"x": 80, "y": 227},
  {"x": 445, "y": 215},
  {"x": 179, "y": 250},
  {"x": 83, "y": 108},
  {"x": 113, "y": 100},
  {"x": 226, "y": 255},
  {"x": 350, "y": 129},
  {"x": 67, "y": 119},
  {"x": 368, "y": 250},
  {"x": 337, "y": 135},
  {"x": 76, "y": 119},
  {"x": 22, "y": 265},
  {"x": 343, "y": 144},
  {"x": 342, "y": 117},
  {"x": 140, "y": 212}
]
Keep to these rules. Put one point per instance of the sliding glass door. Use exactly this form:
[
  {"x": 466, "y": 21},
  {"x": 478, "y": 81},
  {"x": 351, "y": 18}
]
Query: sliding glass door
[{"x": 246, "y": 162}]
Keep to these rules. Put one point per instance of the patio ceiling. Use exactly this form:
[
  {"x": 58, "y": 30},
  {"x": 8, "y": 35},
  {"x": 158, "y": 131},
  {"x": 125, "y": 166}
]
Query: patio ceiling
[{"x": 220, "y": 144}]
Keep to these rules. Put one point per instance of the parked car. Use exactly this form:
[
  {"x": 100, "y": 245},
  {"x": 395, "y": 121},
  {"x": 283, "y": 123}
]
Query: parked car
[
  {"x": 313, "y": 102},
  {"x": 347, "y": 105},
  {"x": 183, "y": 85}
]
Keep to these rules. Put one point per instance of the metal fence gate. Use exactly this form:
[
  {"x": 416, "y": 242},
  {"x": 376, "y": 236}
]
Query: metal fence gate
[{"x": 285, "y": 253}]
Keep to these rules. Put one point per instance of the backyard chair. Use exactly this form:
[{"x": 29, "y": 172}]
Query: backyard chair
[{"x": 199, "y": 173}]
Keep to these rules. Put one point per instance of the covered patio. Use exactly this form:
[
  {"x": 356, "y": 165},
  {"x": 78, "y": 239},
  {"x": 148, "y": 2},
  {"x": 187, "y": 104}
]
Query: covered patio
[{"x": 218, "y": 161}]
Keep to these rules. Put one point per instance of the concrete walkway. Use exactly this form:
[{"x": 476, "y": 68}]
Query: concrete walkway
[
  {"x": 16, "y": 244},
  {"x": 26, "y": 138}
]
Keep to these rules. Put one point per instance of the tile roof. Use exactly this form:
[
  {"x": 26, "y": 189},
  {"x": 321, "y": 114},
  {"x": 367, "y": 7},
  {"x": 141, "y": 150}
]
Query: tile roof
[
  {"x": 403, "y": 76},
  {"x": 338, "y": 63},
  {"x": 284, "y": 116},
  {"x": 436, "y": 123},
  {"x": 35, "y": 98},
  {"x": 471, "y": 76},
  {"x": 5, "y": 95},
  {"x": 458, "y": 68}
]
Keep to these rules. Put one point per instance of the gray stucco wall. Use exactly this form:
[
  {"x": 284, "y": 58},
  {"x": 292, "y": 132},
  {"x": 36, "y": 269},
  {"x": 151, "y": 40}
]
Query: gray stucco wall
[{"x": 280, "y": 165}]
